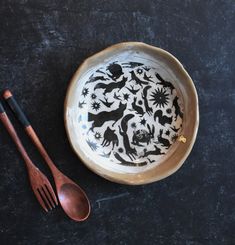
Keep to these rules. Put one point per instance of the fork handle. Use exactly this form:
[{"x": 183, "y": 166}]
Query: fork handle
[
  {"x": 20, "y": 115},
  {"x": 16, "y": 108},
  {"x": 12, "y": 132}
]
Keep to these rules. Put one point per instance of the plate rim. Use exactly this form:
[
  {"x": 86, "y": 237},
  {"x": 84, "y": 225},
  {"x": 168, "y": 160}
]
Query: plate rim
[{"x": 118, "y": 177}]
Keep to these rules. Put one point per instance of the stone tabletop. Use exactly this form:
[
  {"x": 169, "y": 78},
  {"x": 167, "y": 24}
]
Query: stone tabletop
[{"x": 41, "y": 45}]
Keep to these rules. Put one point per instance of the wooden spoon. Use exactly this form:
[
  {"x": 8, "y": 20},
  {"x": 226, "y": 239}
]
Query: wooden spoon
[{"x": 72, "y": 198}]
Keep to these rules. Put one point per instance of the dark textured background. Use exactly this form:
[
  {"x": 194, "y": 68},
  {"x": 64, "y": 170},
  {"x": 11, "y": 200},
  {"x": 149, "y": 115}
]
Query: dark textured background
[{"x": 41, "y": 45}]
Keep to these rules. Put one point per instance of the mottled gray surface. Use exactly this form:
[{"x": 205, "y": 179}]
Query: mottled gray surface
[{"x": 41, "y": 45}]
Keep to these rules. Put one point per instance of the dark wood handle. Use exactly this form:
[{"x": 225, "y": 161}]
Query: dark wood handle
[
  {"x": 18, "y": 112},
  {"x": 36, "y": 141},
  {"x": 11, "y": 130},
  {"x": 7, "y": 95}
]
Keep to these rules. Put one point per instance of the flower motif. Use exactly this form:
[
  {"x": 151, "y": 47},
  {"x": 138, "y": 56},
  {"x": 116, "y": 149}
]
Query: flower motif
[
  {"x": 93, "y": 96},
  {"x": 160, "y": 97},
  {"x": 95, "y": 106},
  {"x": 85, "y": 92},
  {"x": 97, "y": 135}
]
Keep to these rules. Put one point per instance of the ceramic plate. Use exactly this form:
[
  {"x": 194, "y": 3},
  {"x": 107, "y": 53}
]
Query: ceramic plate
[{"x": 130, "y": 110}]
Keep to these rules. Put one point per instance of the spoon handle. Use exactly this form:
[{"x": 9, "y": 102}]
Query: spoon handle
[
  {"x": 20, "y": 115},
  {"x": 11, "y": 130}
]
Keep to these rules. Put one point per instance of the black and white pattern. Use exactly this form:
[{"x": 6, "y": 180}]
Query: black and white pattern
[{"x": 129, "y": 113}]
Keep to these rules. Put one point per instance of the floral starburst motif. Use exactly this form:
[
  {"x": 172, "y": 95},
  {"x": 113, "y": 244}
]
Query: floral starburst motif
[
  {"x": 168, "y": 111},
  {"x": 85, "y": 92},
  {"x": 126, "y": 96},
  {"x": 97, "y": 135},
  {"x": 139, "y": 71},
  {"x": 143, "y": 121},
  {"x": 93, "y": 96},
  {"x": 160, "y": 97},
  {"x": 95, "y": 106},
  {"x": 120, "y": 150},
  {"x": 133, "y": 125}
]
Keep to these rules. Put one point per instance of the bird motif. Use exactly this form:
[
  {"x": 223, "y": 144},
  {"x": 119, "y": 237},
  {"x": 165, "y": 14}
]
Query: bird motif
[
  {"x": 175, "y": 129},
  {"x": 117, "y": 97},
  {"x": 150, "y": 161},
  {"x": 99, "y": 71},
  {"x": 132, "y": 90},
  {"x": 94, "y": 79},
  {"x": 147, "y": 78},
  {"x": 81, "y": 104},
  {"x": 146, "y": 68},
  {"x": 107, "y": 155},
  {"x": 106, "y": 103}
]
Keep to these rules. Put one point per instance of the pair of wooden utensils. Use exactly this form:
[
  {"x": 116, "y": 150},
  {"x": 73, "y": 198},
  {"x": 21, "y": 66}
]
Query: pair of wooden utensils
[{"x": 71, "y": 197}]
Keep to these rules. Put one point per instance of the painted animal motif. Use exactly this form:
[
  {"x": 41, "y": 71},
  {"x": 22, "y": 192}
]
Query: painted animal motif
[
  {"x": 137, "y": 80},
  {"x": 161, "y": 118},
  {"x": 111, "y": 86},
  {"x": 115, "y": 70},
  {"x": 93, "y": 78},
  {"x": 150, "y": 161},
  {"x": 106, "y": 155},
  {"x": 106, "y": 103},
  {"x": 157, "y": 151},
  {"x": 147, "y": 78},
  {"x": 128, "y": 163},
  {"x": 132, "y": 90},
  {"x": 138, "y": 109},
  {"x": 163, "y": 141},
  {"x": 130, "y": 152},
  {"x": 110, "y": 137},
  {"x": 103, "y": 116},
  {"x": 175, "y": 129},
  {"x": 81, "y": 104},
  {"x": 178, "y": 112},
  {"x": 117, "y": 97},
  {"x": 143, "y": 136},
  {"x": 99, "y": 71},
  {"x": 148, "y": 109},
  {"x": 164, "y": 83},
  {"x": 146, "y": 68},
  {"x": 142, "y": 92}
]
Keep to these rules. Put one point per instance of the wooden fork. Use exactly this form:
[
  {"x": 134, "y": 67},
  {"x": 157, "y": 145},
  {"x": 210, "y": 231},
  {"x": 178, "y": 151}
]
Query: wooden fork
[{"x": 39, "y": 182}]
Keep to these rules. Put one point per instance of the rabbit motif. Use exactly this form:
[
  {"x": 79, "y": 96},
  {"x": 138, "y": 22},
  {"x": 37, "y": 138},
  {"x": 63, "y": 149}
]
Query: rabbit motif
[{"x": 165, "y": 142}]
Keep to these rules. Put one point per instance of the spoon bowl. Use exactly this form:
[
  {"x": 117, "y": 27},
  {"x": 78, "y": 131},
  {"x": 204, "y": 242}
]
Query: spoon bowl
[{"x": 74, "y": 201}]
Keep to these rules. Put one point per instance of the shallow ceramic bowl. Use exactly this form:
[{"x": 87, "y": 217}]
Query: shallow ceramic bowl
[{"x": 131, "y": 113}]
